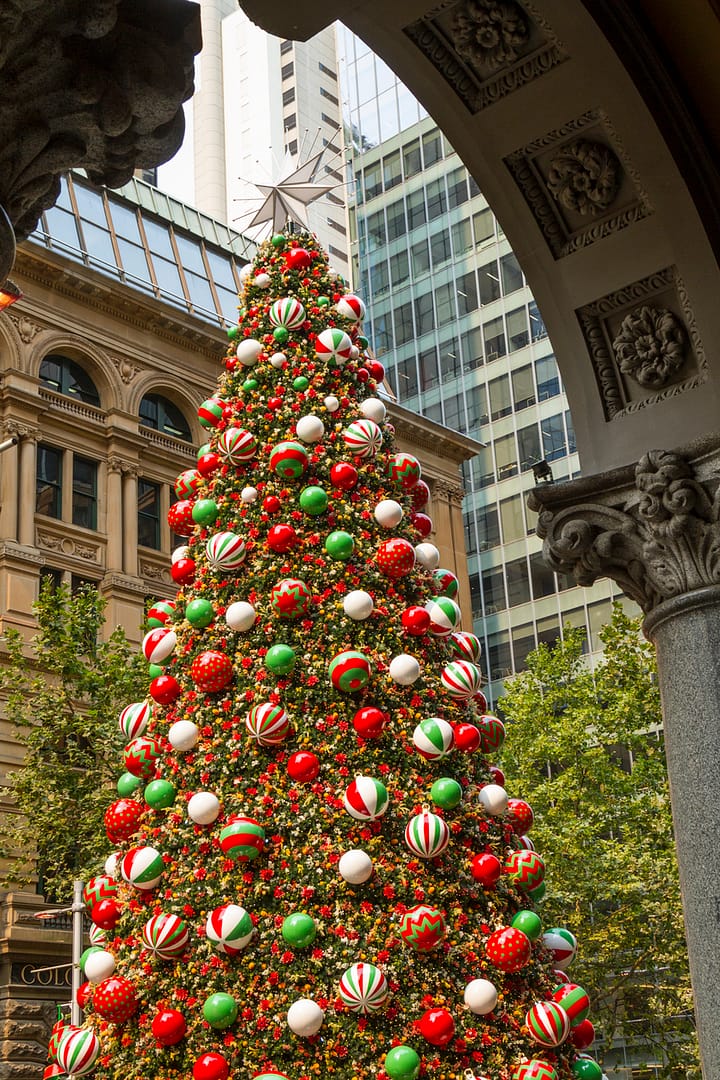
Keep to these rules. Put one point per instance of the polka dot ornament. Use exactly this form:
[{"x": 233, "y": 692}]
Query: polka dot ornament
[
  {"x": 211, "y": 671},
  {"x": 508, "y": 949},
  {"x": 115, "y": 999}
]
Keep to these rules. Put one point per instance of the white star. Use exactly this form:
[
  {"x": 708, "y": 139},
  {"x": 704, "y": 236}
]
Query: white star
[{"x": 286, "y": 199}]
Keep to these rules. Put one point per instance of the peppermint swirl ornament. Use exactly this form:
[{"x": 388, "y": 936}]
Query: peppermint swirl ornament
[
  {"x": 287, "y": 312},
  {"x": 225, "y": 551},
  {"x": 351, "y": 307},
  {"x": 427, "y": 835},
  {"x": 465, "y": 646},
  {"x": 166, "y": 936},
  {"x": 364, "y": 988},
  {"x": 78, "y": 1050},
  {"x": 267, "y": 724},
  {"x": 237, "y": 446},
  {"x": 363, "y": 438},
  {"x": 461, "y": 679}
]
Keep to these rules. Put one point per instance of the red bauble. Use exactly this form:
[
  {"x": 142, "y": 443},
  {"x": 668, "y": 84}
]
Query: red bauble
[
  {"x": 520, "y": 816},
  {"x": 369, "y": 722},
  {"x": 437, "y": 1026},
  {"x": 422, "y": 523},
  {"x": 182, "y": 571},
  {"x": 211, "y": 671},
  {"x": 282, "y": 538},
  {"x": 83, "y": 994},
  {"x": 115, "y": 999},
  {"x": 487, "y": 869},
  {"x": 169, "y": 1027},
  {"x": 297, "y": 258},
  {"x": 498, "y": 776},
  {"x": 303, "y": 766},
  {"x": 208, "y": 463},
  {"x": 180, "y": 517},
  {"x": 467, "y": 737},
  {"x": 509, "y": 949},
  {"x": 420, "y": 495},
  {"x": 376, "y": 369},
  {"x": 105, "y": 914},
  {"x": 343, "y": 475},
  {"x": 122, "y": 819},
  {"x": 415, "y": 620},
  {"x": 53, "y": 1070},
  {"x": 274, "y": 403},
  {"x": 396, "y": 558},
  {"x": 362, "y": 374},
  {"x": 165, "y": 689},
  {"x": 481, "y": 701},
  {"x": 271, "y": 504},
  {"x": 583, "y": 1035},
  {"x": 211, "y": 1066}
]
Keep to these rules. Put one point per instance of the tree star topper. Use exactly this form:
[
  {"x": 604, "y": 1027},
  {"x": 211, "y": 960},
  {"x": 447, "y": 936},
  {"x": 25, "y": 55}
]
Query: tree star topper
[{"x": 286, "y": 199}]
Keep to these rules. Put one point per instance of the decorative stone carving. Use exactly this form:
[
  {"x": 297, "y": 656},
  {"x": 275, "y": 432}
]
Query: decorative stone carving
[
  {"x": 653, "y": 528},
  {"x": 584, "y": 176},
  {"x": 126, "y": 369},
  {"x": 490, "y": 32},
  {"x": 66, "y": 545},
  {"x": 26, "y": 328},
  {"x": 120, "y": 465},
  {"x": 98, "y": 85},
  {"x": 22, "y": 431},
  {"x": 650, "y": 347}
]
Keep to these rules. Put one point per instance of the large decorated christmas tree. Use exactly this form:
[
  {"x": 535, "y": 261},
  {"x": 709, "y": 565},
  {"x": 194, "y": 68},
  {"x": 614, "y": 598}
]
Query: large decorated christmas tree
[{"x": 315, "y": 870}]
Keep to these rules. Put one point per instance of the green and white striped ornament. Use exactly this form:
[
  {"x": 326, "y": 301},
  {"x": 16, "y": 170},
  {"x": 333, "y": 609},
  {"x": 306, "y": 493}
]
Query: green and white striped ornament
[
  {"x": 78, "y": 1050},
  {"x": 166, "y": 936},
  {"x": 287, "y": 312},
  {"x": 433, "y": 738},
  {"x": 445, "y": 616},
  {"x": 548, "y": 1023},
  {"x": 268, "y": 724},
  {"x": 427, "y": 835},
  {"x": 142, "y": 867},
  {"x": 225, "y": 551},
  {"x": 366, "y": 798},
  {"x": 461, "y": 679},
  {"x": 364, "y": 988}
]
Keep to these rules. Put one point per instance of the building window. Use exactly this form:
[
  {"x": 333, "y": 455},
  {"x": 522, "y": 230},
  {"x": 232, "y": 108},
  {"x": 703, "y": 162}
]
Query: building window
[
  {"x": 287, "y": 70},
  {"x": 543, "y": 579},
  {"x": 428, "y": 367},
  {"x": 493, "y": 590},
  {"x": 523, "y": 387},
  {"x": 511, "y": 274},
  {"x": 462, "y": 236},
  {"x": 500, "y": 399},
  {"x": 148, "y": 514},
  {"x": 48, "y": 482},
  {"x": 472, "y": 347},
  {"x": 440, "y": 247},
  {"x": 488, "y": 526},
  {"x": 445, "y": 300},
  {"x": 499, "y": 656},
  {"x": 324, "y": 93},
  {"x": 420, "y": 253},
  {"x": 379, "y": 279},
  {"x": 290, "y": 122},
  {"x": 489, "y": 280},
  {"x": 288, "y": 96},
  {"x": 432, "y": 147},
  {"x": 517, "y": 329},
  {"x": 399, "y": 268},
  {"x": 494, "y": 334},
  {"x": 64, "y": 376},
  {"x": 457, "y": 188},
  {"x": 518, "y": 582},
  {"x": 537, "y": 326},
  {"x": 326, "y": 71},
  {"x": 477, "y": 406},
  {"x": 511, "y": 516},
  {"x": 396, "y": 220},
  {"x": 467, "y": 293},
  {"x": 529, "y": 444},
  {"x": 547, "y": 377},
  {"x": 285, "y": 47},
  {"x": 553, "y": 436},
  {"x": 84, "y": 492},
  {"x": 572, "y": 443},
  {"x": 506, "y": 457},
  {"x": 372, "y": 180},
  {"x": 416, "y": 209},
  {"x": 392, "y": 172},
  {"x": 412, "y": 161},
  {"x": 484, "y": 226},
  {"x": 436, "y": 199},
  {"x": 292, "y": 146},
  {"x": 403, "y": 320},
  {"x": 159, "y": 413},
  {"x": 407, "y": 378}
]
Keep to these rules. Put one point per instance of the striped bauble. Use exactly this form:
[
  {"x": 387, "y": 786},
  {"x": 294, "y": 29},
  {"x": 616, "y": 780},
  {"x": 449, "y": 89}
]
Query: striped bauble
[
  {"x": 363, "y": 438},
  {"x": 574, "y": 1000},
  {"x": 142, "y": 867},
  {"x": 287, "y": 312},
  {"x": 465, "y": 646},
  {"x": 433, "y": 738},
  {"x": 166, "y": 936},
  {"x": 225, "y": 551},
  {"x": 427, "y": 835},
  {"x": 230, "y": 928},
  {"x": 237, "y": 446},
  {"x": 242, "y": 839},
  {"x": 135, "y": 718},
  {"x": 445, "y": 616},
  {"x": 78, "y": 1050},
  {"x": 364, "y": 988},
  {"x": 268, "y": 724},
  {"x": 548, "y": 1023},
  {"x": 288, "y": 460},
  {"x": 445, "y": 582},
  {"x": 351, "y": 307},
  {"x": 366, "y": 798},
  {"x": 159, "y": 644},
  {"x": 562, "y": 944},
  {"x": 461, "y": 679},
  {"x": 334, "y": 346},
  {"x": 210, "y": 412},
  {"x": 525, "y": 869},
  {"x": 349, "y": 671},
  {"x": 161, "y": 613}
]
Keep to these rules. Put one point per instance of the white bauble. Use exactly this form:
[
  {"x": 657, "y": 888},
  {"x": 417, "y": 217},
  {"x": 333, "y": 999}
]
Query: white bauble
[
  {"x": 261, "y": 280},
  {"x": 481, "y": 996},
  {"x": 428, "y": 556},
  {"x": 305, "y": 1017},
  {"x": 331, "y": 403},
  {"x": 180, "y": 553},
  {"x": 245, "y": 271},
  {"x": 355, "y": 866},
  {"x": 388, "y": 513},
  {"x": 111, "y": 864},
  {"x": 493, "y": 799},
  {"x": 99, "y": 966},
  {"x": 183, "y": 735},
  {"x": 373, "y": 409},
  {"x": 354, "y": 352},
  {"x": 358, "y": 605},
  {"x": 249, "y": 494},
  {"x": 310, "y": 428},
  {"x": 203, "y": 807},
  {"x": 278, "y": 359},
  {"x": 240, "y": 615},
  {"x": 248, "y": 350},
  {"x": 404, "y": 669}
]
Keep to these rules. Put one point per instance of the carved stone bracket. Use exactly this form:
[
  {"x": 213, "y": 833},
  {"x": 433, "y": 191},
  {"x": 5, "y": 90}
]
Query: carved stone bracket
[{"x": 654, "y": 528}]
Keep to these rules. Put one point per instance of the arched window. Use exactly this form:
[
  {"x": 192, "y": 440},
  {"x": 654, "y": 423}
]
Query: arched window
[
  {"x": 159, "y": 413},
  {"x": 64, "y": 376}
]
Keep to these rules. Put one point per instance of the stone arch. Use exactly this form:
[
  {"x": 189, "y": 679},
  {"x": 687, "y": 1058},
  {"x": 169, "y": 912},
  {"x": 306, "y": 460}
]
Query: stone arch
[
  {"x": 10, "y": 344},
  {"x": 92, "y": 360},
  {"x": 184, "y": 400}
]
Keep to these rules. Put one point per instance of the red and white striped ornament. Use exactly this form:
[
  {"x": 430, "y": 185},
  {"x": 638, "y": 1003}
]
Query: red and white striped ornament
[
  {"x": 287, "y": 312},
  {"x": 268, "y": 724},
  {"x": 166, "y": 936},
  {"x": 230, "y": 929},
  {"x": 363, "y": 438},
  {"x": 142, "y": 867},
  {"x": 237, "y": 446},
  {"x": 78, "y": 1050},
  {"x": 159, "y": 644},
  {"x": 548, "y": 1023},
  {"x": 364, "y": 988},
  {"x": 225, "y": 551},
  {"x": 465, "y": 646},
  {"x": 433, "y": 738},
  {"x": 427, "y": 835},
  {"x": 351, "y": 307},
  {"x": 461, "y": 679},
  {"x": 135, "y": 718},
  {"x": 333, "y": 345},
  {"x": 366, "y": 798}
]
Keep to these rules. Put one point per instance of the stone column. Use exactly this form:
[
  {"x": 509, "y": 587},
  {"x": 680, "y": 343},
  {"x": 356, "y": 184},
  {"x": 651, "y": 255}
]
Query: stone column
[
  {"x": 26, "y": 500},
  {"x": 114, "y": 514},
  {"x": 9, "y": 483},
  {"x": 654, "y": 528},
  {"x": 129, "y": 519}
]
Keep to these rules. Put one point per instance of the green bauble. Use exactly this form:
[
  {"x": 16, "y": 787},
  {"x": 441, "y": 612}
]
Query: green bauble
[
  {"x": 280, "y": 659},
  {"x": 538, "y": 893},
  {"x": 301, "y": 383},
  {"x": 362, "y": 342},
  {"x": 446, "y": 793},
  {"x": 127, "y": 784},
  {"x": 250, "y": 384},
  {"x": 313, "y": 500},
  {"x": 232, "y": 332},
  {"x": 402, "y": 1063},
  {"x": 529, "y": 923},
  {"x": 586, "y": 1068},
  {"x": 205, "y": 511},
  {"x": 299, "y": 929},
  {"x": 199, "y": 612},
  {"x": 155, "y": 669},
  {"x": 323, "y": 301},
  {"x": 278, "y": 240},
  {"x": 220, "y": 1010},
  {"x": 160, "y": 794},
  {"x": 339, "y": 545},
  {"x": 281, "y": 334}
]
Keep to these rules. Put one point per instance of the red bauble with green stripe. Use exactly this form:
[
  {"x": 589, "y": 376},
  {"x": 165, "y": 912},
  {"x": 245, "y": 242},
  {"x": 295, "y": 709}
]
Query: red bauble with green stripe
[
  {"x": 548, "y": 1023},
  {"x": 142, "y": 756},
  {"x": 268, "y": 724},
  {"x": 78, "y": 1050},
  {"x": 291, "y": 598},
  {"x": 288, "y": 460},
  {"x": 186, "y": 484},
  {"x": 166, "y": 936},
  {"x": 396, "y": 558},
  {"x": 287, "y": 312},
  {"x": 525, "y": 869},
  {"x": 225, "y": 551},
  {"x": 366, "y": 798},
  {"x": 574, "y": 1001},
  {"x": 465, "y": 646},
  {"x": 161, "y": 613},
  {"x": 237, "y": 446},
  {"x": 433, "y": 738},
  {"x": 242, "y": 839},
  {"x": 446, "y": 583},
  {"x": 492, "y": 733},
  {"x": 122, "y": 820},
  {"x": 534, "y": 1069},
  {"x": 349, "y": 671},
  {"x": 404, "y": 470},
  {"x": 509, "y": 949},
  {"x": 423, "y": 927},
  {"x": 364, "y": 988},
  {"x": 210, "y": 412},
  {"x": 115, "y": 999},
  {"x": 427, "y": 835},
  {"x": 102, "y": 887}
]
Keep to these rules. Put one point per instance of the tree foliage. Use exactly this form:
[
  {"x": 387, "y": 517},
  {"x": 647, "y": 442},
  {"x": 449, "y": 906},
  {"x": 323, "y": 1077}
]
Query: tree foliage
[
  {"x": 63, "y": 698},
  {"x": 605, "y": 830}
]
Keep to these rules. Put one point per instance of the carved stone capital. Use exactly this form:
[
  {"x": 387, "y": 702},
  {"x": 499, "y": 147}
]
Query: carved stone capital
[
  {"x": 452, "y": 493},
  {"x": 22, "y": 431},
  {"x": 120, "y": 465},
  {"x": 652, "y": 527}
]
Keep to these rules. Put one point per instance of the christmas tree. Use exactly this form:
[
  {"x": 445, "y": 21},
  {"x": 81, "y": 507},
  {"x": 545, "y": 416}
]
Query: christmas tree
[{"x": 316, "y": 870}]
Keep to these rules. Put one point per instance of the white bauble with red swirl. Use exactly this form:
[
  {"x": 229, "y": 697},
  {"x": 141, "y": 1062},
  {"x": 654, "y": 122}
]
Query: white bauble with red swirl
[
  {"x": 363, "y": 438},
  {"x": 364, "y": 988},
  {"x": 237, "y": 446},
  {"x": 225, "y": 551},
  {"x": 287, "y": 312},
  {"x": 427, "y": 835},
  {"x": 461, "y": 679},
  {"x": 351, "y": 307},
  {"x": 366, "y": 798},
  {"x": 159, "y": 644}
]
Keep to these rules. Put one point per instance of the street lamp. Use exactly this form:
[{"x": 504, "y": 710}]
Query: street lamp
[{"x": 9, "y": 294}]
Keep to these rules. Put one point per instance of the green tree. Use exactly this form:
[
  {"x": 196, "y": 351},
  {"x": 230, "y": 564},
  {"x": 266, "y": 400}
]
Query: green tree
[
  {"x": 585, "y": 749},
  {"x": 63, "y": 697}
]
